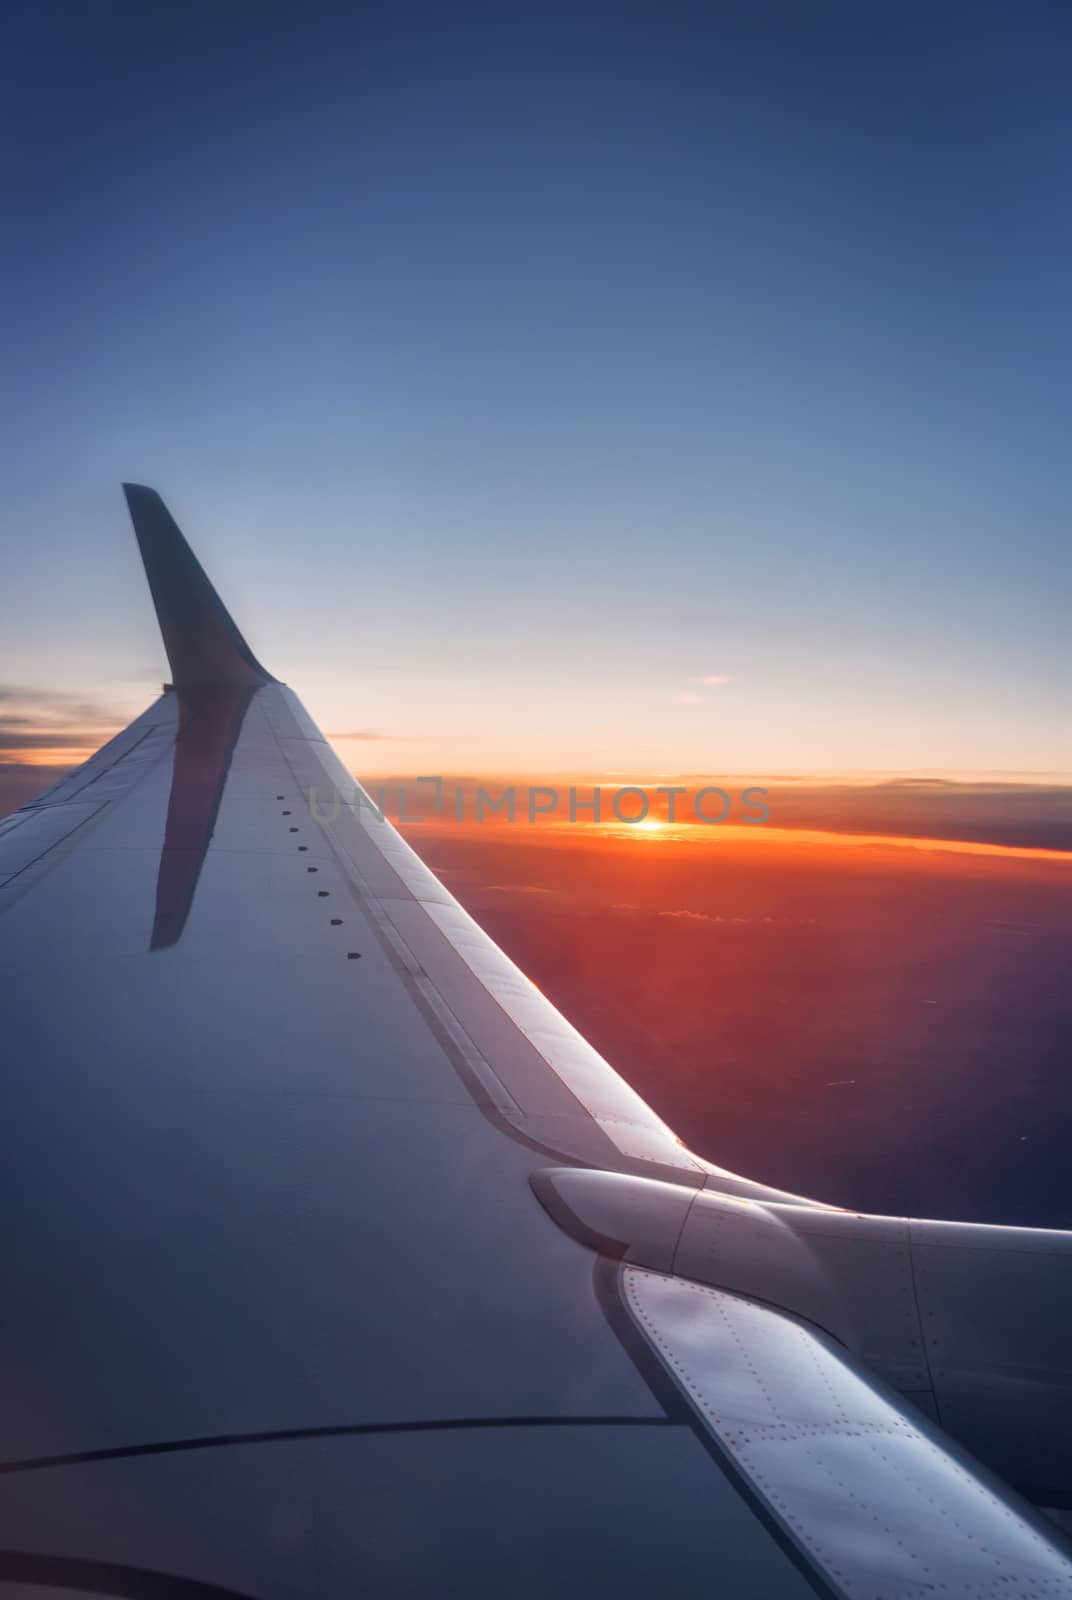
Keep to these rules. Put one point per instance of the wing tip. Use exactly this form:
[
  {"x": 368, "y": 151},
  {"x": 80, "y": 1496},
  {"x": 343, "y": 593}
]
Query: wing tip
[
  {"x": 134, "y": 493},
  {"x": 203, "y": 644}
]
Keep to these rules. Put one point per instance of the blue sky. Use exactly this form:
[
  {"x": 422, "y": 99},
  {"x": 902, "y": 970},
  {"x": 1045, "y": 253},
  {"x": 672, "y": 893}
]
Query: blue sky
[{"x": 514, "y": 367}]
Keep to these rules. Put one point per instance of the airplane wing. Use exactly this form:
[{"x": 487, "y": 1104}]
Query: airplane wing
[{"x": 337, "y": 1263}]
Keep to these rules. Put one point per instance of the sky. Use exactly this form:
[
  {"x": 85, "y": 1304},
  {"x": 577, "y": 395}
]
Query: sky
[
  {"x": 879, "y": 1024},
  {"x": 651, "y": 388}
]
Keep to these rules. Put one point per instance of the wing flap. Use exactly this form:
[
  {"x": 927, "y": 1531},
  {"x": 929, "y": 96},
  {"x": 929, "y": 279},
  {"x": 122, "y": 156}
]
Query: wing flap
[{"x": 877, "y": 1498}]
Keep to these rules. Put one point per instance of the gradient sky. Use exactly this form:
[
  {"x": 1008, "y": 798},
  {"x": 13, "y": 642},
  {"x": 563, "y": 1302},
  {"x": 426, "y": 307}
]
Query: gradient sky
[{"x": 515, "y": 368}]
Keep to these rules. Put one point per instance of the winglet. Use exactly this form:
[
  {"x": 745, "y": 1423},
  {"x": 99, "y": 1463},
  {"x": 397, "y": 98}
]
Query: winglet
[{"x": 202, "y": 642}]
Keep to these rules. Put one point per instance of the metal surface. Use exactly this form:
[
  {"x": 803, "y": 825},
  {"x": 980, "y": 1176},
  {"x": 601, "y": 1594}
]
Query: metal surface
[
  {"x": 529, "y": 1511},
  {"x": 970, "y": 1321},
  {"x": 996, "y": 1312},
  {"x": 874, "y": 1495}
]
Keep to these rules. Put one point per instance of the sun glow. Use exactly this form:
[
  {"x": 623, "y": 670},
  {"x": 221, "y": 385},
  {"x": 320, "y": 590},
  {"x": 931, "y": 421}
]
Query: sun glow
[
  {"x": 644, "y": 827},
  {"x": 51, "y": 756}
]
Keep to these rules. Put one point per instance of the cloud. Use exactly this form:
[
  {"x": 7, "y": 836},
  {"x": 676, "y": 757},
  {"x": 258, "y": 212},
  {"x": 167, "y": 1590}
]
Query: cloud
[
  {"x": 707, "y": 680},
  {"x": 677, "y": 916},
  {"x": 45, "y": 707},
  {"x": 693, "y": 916},
  {"x": 42, "y": 726},
  {"x": 13, "y": 692},
  {"x": 683, "y": 914},
  {"x": 755, "y": 919},
  {"x": 53, "y": 738},
  {"x": 518, "y": 888}
]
